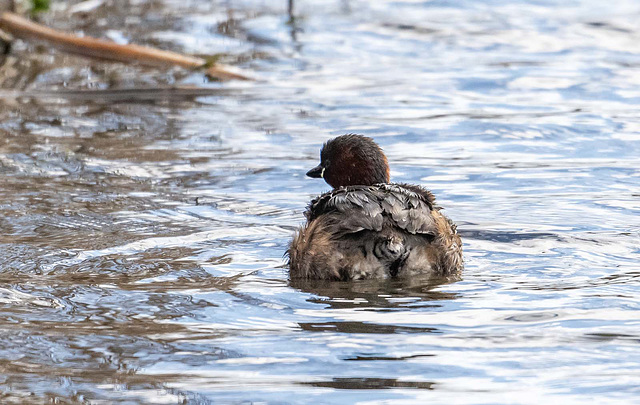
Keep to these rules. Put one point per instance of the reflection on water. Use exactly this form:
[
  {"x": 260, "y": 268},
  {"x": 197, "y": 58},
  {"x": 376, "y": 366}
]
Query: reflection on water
[{"x": 144, "y": 213}]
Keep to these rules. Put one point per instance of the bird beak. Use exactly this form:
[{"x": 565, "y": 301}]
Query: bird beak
[{"x": 317, "y": 172}]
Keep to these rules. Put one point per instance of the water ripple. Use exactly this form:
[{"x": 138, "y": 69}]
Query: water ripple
[{"x": 145, "y": 212}]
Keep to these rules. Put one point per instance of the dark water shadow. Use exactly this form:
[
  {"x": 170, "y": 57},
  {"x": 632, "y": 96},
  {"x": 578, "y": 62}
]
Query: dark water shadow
[
  {"x": 371, "y": 384},
  {"x": 375, "y": 293},
  {"x": 124, "y": 95},
  {"x": 373, "y": 296},
  {"x": 505, "y": 236}
]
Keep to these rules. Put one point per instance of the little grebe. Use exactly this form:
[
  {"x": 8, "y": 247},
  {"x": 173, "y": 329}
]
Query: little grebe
[{"x": 368, "y": 228}]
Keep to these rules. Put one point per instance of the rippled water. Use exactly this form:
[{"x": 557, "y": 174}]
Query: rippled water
[{"x": 143, "y": 222}]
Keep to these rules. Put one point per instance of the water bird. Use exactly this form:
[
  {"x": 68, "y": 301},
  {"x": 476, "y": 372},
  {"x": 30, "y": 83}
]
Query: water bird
[{"x": 367, "y": 227}]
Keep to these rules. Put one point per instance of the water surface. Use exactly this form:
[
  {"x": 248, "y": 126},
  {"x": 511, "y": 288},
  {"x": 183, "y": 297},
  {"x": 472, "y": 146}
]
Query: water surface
[{"x": 143, "y": 222}]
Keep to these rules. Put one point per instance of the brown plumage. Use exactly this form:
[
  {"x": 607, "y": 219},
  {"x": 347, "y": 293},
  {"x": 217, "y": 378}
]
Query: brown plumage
[{"x": 366, "y": 228}]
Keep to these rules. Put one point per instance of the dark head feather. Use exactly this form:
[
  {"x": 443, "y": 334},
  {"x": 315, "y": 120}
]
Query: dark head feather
[{"x": 350, "y": 160}]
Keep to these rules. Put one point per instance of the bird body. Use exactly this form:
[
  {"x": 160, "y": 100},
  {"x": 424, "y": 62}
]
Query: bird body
[{"x": 371, "y": 231}]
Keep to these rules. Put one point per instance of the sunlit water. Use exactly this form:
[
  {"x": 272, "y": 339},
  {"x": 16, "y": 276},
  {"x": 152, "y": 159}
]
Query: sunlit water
[{"x": 142, "y": 232}]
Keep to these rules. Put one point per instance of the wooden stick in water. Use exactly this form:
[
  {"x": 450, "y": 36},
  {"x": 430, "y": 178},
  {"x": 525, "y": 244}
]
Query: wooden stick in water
[{"x": 98, "y": 48}]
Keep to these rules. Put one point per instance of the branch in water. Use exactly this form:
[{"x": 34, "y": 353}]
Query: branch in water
[{"x": 98, "y": 48}]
